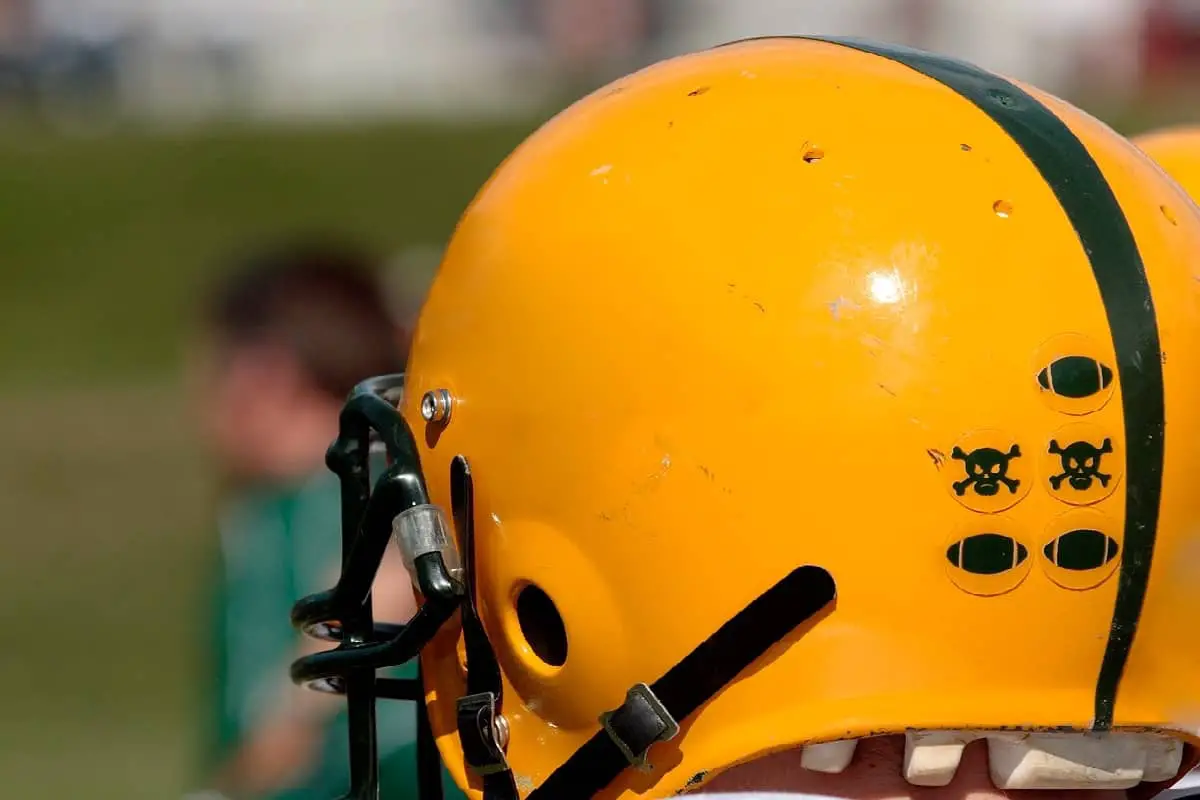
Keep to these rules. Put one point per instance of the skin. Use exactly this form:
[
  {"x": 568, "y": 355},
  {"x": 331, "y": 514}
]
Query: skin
[
  {"x": 877, "y": 774},
  {"x": 262, "y": 420}
]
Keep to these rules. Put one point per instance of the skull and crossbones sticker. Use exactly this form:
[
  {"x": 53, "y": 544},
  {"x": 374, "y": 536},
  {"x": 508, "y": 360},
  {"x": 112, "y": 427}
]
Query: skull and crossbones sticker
[
  {"x": 1081, "y": 463},
  {"x": 987, "y": 471}
]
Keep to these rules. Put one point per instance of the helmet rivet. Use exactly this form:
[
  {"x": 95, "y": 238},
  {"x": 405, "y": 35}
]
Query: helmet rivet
[
  {"x": 500, "y": 729},
  {"x": 436, "y": 406}
]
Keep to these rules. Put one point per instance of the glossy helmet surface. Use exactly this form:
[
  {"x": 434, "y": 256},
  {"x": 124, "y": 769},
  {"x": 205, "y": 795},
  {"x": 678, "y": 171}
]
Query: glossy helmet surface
[
  {"x": 1177, "y": 151},
  {"x": 783, "y": 394}
]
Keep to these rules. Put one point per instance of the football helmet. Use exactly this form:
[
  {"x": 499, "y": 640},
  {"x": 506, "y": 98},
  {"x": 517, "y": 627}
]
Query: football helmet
[
  {"x": 779, "y": 395},
  {"x": 1177, "y": 151}
]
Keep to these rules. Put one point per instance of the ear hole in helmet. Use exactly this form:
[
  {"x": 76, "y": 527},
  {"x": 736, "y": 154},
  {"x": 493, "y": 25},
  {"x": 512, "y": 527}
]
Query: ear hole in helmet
[{"x": 542, "y": 625}]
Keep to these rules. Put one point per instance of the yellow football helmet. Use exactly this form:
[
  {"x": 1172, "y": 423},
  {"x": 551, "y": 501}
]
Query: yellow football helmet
[
  {"x": 783, "y": 394},
  {"x": 1177, "y": 150}
]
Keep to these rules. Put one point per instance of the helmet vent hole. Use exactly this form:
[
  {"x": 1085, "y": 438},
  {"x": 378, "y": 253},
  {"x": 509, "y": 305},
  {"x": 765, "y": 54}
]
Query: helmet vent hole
[
  {"x": 813, "y": 154},
  {"x": 1166, "y": 212},
  {"x": 542, "y": 625},
  {"x": 1003, "y": 209}
]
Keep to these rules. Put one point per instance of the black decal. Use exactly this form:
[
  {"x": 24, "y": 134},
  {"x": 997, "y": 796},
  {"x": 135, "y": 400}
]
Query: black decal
[
  {"x": 986, "y": 468},
  {"x": 1075, "y": 377},
  {"x": 1080, "y": 464},
  {"x": 1081, "y": 550},
  {"x": 987, "y": 554}
]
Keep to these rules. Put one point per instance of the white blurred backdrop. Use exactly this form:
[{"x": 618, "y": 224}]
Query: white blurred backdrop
[{"x": 192, "y": 59}]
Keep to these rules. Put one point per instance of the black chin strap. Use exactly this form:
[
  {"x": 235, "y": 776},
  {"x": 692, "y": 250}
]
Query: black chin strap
[
  {"x": 479, "y": 721},
  {"x": 652, "y": 714}
]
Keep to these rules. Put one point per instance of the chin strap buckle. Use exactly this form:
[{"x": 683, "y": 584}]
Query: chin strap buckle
[
  {"x": 483, "y": 733},
  {"x": 640, "y": 722}
]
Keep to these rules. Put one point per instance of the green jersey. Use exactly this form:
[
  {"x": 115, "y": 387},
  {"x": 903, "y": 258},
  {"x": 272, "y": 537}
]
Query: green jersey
[{"x": 278, "y": 545}]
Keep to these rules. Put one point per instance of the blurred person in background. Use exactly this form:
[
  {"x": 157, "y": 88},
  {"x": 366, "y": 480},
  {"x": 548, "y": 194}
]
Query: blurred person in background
[{"x": 285, "y": 337}]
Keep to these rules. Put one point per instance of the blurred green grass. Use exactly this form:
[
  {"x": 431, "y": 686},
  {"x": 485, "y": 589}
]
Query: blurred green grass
[
  {"x": 104, "y": 241},
  {"x": 103, "y": 245},
  {"x": 104, "y": 509}
]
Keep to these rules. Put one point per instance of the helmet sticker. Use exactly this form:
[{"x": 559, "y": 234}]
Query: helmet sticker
[
  {"x": 1079, "y": 550},
  {"x": 1073, "y": 374},
  {"x": 988, "y": 558},
  {"x": 1081, "y": 464},
  {"x": 992, "y": 473},
  {"x": 1082, "y": 549}
]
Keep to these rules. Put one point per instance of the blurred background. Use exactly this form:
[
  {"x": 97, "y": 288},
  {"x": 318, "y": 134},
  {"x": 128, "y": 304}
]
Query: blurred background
[{"x": 143, "y": 141}]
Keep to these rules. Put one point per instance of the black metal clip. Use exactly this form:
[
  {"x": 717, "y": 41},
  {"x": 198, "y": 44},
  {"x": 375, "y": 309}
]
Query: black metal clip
[{"x": 483, "y": 733}]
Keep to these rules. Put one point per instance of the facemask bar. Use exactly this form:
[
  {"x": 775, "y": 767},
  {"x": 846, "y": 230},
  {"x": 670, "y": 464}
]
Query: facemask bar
[{"x": 343, "y": 613}]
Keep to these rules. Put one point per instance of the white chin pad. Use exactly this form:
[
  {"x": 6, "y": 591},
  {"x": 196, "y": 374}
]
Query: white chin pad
[
  {"x": 1081, "y": 760},
  {"x": 931, "y": 757},
  {"x": 828, "y": 756},
  {"x": 1163, "y": 760},
  {"x": 1067, "y": 760}
]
